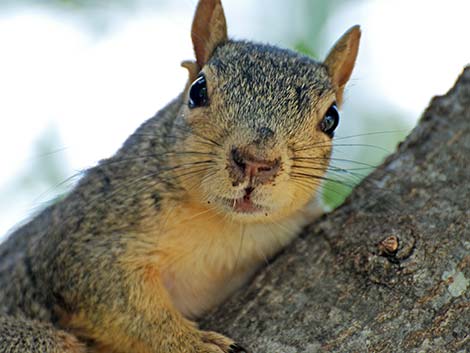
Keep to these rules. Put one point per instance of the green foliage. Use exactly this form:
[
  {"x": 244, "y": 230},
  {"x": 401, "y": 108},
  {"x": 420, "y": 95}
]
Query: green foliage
[
  {"x": 48, "y": 166},
  {"x": 365, "y": 152},
  {"x": 50, "y": 169},
  {"x": 305, "y": 48},
  {"x": 45, "y": 175},
  {"x": 358, "y": 157},
  {"x": 70, "y": 4}
]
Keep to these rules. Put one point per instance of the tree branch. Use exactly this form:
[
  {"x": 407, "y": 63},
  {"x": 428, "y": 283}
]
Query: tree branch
[{"x": 389, "y": 270}]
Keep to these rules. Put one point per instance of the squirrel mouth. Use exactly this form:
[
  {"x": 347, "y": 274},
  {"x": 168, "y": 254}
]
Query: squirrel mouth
[{"x": 245, "y": 204}]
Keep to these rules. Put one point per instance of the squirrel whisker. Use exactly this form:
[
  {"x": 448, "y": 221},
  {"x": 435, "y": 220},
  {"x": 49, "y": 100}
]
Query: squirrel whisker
[{"x": 147, "y": 240}]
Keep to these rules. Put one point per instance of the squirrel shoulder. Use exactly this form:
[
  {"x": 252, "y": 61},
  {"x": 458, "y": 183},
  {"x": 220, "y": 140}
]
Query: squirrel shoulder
[{"x": 194, "y": 202}]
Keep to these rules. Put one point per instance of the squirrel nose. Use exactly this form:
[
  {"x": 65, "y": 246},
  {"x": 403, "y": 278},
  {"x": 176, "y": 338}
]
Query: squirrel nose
[{"x": 245, "y": 165}]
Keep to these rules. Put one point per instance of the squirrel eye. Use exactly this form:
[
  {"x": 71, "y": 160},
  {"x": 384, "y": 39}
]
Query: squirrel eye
[
  {"x": 198, "y": 93},
  {"x": 330, "y": 121}
]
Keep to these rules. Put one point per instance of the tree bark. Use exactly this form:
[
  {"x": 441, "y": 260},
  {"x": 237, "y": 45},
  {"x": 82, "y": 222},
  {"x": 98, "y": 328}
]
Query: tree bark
[{"x": 388, "y": 271}]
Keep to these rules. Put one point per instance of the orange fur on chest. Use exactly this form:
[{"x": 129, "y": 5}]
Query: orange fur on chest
[{"x": 201, "y": 257}]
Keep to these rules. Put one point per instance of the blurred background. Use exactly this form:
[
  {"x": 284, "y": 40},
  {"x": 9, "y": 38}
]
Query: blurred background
[{"x": 78, "y": 76}]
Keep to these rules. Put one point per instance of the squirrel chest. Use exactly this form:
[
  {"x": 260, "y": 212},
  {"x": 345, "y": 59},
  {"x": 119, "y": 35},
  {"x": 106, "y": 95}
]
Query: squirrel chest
[
  {"x": 201, "y": 257},
  {"x": 196, "y": 200}
]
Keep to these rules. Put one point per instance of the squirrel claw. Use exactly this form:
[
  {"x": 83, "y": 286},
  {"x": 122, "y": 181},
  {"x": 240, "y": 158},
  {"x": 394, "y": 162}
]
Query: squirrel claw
[
  {"x": 221, "y": 343},
  {"x": 236, "y": 348}
]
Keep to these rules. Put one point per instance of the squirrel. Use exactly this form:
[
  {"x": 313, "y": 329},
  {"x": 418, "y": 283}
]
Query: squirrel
[{"x": 186, "y": 211}]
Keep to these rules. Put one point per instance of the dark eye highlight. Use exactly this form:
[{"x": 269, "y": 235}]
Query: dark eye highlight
[
  {"x": 330, "y": 121},
  {"x": 198, "y": 96}
]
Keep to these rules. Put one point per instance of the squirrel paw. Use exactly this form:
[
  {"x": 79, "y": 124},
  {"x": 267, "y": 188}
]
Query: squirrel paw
[
  {"x": 217, "y": 343},
  {"x": 236, "y": 348}
]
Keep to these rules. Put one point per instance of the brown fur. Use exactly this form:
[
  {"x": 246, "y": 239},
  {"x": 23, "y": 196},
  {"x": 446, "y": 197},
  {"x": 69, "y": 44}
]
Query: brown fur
[
  {"x": 340, "y": 61},
  {"x": 209, "y": 30},
  {"x": 151, "y": 239}
]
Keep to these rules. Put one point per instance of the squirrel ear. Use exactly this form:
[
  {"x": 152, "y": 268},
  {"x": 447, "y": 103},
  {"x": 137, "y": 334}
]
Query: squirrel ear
[
  {"x": 209, "y": 29},
  {"x": 340, "y": 61},
  {"x": 193, "y": 70}
]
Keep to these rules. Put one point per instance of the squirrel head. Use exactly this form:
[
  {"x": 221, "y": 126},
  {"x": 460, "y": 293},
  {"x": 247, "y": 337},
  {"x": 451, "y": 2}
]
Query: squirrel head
[{"x": 257, "y": 124}]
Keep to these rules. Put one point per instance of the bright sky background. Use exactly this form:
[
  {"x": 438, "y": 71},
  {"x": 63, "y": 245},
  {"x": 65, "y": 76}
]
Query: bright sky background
[{"x": 96, "y": 89}]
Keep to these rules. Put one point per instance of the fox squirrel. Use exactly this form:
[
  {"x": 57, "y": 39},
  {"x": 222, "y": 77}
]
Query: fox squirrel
[{"x": 186, "y": 211}]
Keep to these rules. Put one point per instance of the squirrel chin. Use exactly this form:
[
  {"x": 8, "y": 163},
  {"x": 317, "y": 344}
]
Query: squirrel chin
[
  {"x": 245, "y": 210},
  {"x": 244, "y": 205}
]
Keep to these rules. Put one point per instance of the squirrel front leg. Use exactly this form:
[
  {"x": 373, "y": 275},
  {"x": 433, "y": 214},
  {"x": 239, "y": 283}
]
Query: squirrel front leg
[{"x": 146, "y": 323}]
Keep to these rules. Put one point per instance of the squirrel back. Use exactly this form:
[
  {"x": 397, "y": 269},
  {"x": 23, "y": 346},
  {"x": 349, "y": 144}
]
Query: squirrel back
[{"x": 195, "y": 201}]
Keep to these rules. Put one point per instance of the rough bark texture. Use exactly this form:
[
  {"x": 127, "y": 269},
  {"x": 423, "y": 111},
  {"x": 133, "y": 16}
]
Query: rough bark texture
[{"x": 341, "y": 288}]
